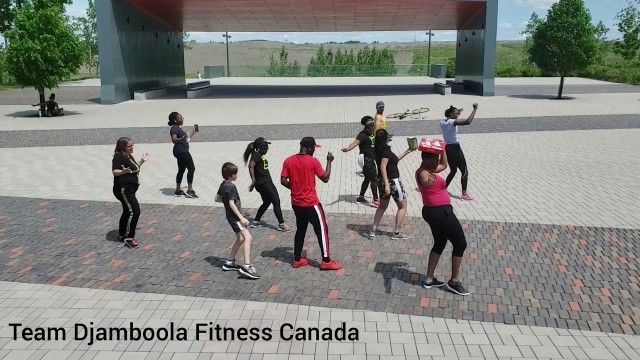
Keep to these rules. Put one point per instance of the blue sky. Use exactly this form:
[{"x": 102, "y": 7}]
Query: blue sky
[{"x": 512, "y": 16}]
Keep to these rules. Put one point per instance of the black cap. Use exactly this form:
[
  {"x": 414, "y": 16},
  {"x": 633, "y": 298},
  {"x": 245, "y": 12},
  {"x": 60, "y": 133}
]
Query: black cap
[
  {"x": 260, "y": 143},
  {"x": 308, "y": 142}
]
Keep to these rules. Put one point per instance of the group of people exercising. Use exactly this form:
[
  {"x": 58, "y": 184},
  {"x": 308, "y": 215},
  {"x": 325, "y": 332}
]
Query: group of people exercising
[{"x": 299, "y": 173}]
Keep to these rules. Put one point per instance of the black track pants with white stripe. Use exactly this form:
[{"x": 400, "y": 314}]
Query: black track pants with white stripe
[
  {"x": 130, "y": 210},
  {"x": 315, "y": 216}
]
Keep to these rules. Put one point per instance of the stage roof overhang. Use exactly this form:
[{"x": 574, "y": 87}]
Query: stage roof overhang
[{"x": 310, "y": 15}]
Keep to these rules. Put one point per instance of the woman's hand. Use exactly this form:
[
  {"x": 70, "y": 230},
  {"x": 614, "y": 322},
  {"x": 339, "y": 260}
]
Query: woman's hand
[
  {"x": 387, "y": 189},
  {"x": 126, "y": 170},
  {"x": 144, "y": 158}
]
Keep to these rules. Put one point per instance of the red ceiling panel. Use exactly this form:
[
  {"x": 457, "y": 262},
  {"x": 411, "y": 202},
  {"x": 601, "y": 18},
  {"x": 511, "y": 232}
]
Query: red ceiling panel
[{"x": 311, "y": 15}]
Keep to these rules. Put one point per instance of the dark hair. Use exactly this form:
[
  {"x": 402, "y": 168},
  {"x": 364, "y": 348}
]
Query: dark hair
[
  {"x": 121, "y": 144},
  {"x": 247, "y": 152},
  {"x": 431, "y": 158},
  {"x": 172, "y": 118},
  {"x": 228, "y": 170},
  {"x": 364, "y": 120},
  {"x": 450, "y": 110},
  {"x": 381, "y": 140}
]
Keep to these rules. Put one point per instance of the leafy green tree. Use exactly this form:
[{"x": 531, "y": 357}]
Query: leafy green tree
[
  {"x": 282, "y": 67},
  {"x": 318, "y": 64},
  {"x": 187, "y": 42},
  {"x": 43, "y": 48},
  {"x": 601, "y": 37},
  {"x": 87, "y": 28},
  {"x": 565, "y": 42},
  {"x": 367, "y": 62},
  {"x": 530, "y": 28},
  {"x": 629, "y": 26},
  {"x": 419, "y": 63}
]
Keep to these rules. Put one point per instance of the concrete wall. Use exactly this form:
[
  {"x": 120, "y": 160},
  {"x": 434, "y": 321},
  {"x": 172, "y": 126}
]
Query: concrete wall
[
  {"x": 476, "y": 51},
  {"x": 137, "y": 52}
]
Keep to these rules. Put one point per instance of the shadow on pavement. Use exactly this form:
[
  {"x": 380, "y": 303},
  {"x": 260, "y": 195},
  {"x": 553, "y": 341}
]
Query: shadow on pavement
[
  {"x": 540, "y": 97},
  {"x": 297, "y": 91},
  {"x": 396, "y": 270},
  {"x": 112, "y": 235},
  {"x": 34, "y": 114}
]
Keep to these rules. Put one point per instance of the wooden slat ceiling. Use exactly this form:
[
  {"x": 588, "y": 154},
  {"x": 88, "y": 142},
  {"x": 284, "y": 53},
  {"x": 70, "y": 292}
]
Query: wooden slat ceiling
[{"x": 310, "y": 15}]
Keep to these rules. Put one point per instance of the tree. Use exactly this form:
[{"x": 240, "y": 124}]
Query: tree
[
  {"x": 629, "y": 26},
  {"x": 601, "y": 37},
  {"x": 43, "y": 48},
  {"x": 7, "y": 14},
  {"x": 88, "y": 30},
  {"x": 530, "y": 28},
  {"x": 565, "y": 42},
  {"x": 283, "y": 68},
  {"x": 187, "y": 42}
]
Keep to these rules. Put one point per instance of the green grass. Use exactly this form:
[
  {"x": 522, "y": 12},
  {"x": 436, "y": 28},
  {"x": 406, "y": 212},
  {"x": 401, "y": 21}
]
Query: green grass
[
  {"x": 9, "y": 87},
  {"x": 511, "y": 61}
]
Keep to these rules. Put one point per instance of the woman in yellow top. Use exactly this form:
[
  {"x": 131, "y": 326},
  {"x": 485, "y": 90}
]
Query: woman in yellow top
[{"x": 380, "y": 121}]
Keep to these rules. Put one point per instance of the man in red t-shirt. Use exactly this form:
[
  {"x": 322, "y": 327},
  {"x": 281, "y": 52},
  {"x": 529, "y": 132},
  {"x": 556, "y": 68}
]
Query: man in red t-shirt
[{"x": 299, "y": 175}]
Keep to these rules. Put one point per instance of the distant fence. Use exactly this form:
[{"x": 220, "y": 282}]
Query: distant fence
[{"x": 331, "y": 71}]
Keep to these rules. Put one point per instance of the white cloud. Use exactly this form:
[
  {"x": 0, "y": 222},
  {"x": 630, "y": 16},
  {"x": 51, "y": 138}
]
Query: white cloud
[
  {"x": 536, "y": 4},
  {"x": 505, "y": 25}
]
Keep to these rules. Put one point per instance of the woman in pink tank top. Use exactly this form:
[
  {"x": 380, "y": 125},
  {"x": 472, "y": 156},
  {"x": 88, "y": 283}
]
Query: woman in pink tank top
[{"x": 438, "y": 213}]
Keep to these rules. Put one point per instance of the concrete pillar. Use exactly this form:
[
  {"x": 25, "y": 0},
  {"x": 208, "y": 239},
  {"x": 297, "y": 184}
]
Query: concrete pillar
[
  {"x": 476, "y": 51},
  {"x": 137, "y": 51}
]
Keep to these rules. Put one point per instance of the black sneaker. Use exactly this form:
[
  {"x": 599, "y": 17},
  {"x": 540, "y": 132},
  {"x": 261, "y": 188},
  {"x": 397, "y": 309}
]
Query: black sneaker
[
  {"x": 361, "y": 200},
  {"x": 433, "y": 283},
  {"x": 191, "y": 194},
  {"x": 457, "y": 288},
  {"x": 249, "y": 271},
  {"x": 230, "y": 265},
  {"x": 179, "y": 193},
  {"x": 121, "y": 238}
]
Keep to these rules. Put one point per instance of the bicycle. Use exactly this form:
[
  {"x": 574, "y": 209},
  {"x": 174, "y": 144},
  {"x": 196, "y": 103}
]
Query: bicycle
[{"x": 413, "y": 114}]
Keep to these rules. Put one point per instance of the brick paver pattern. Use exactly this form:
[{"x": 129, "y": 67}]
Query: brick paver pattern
[{"x": 556, "y": 276}]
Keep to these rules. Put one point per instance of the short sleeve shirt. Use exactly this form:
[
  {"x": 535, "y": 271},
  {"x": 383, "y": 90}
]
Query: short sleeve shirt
[
  {"x": 367, "y": 143},
  {"x": 182, "y": 145},
  {"x": 392, "y": 164},
  {"x": 120, "y": 162},
  {"x": 449, "y": 131},
  {"x": 51, "y": 105},
  {"x": 229, "y": 192},
  {"x": 302, "y": 170},
  {"x": 261, "y": 170}
]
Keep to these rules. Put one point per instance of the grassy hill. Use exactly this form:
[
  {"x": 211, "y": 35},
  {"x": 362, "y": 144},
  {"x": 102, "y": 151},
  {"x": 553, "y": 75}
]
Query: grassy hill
[{"x": 251, "y": 58}]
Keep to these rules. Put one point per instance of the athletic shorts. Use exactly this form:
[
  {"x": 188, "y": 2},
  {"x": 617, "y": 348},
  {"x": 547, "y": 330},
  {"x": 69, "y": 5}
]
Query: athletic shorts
[
  {"x": 236, "y": 225},
  {"x": 396, "y": 187}
]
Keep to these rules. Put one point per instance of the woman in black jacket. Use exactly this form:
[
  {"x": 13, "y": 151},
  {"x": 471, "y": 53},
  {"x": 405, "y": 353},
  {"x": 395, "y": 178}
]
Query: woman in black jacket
[{"x": 125, "y": 171}]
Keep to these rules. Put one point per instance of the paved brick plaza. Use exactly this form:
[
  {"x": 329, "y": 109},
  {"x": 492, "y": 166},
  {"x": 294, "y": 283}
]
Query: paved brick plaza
[{"x": 552, "y": 262}]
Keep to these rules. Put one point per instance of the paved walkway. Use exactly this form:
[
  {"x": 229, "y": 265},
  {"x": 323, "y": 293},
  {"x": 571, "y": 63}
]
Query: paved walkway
[
  {"x": 552, "y": 232},
  {"x": 381, "y": 336},
  {"x": 556, "y": 183}
]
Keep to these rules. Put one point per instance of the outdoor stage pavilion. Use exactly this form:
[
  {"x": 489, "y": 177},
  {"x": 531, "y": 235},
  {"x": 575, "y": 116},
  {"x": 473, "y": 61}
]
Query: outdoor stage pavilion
[{"x": 141, "y": 42}]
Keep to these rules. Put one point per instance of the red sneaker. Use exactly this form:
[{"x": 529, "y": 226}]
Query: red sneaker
[
  {"x": 303, "y": 262},
  {"x": 331, "y": 265}
]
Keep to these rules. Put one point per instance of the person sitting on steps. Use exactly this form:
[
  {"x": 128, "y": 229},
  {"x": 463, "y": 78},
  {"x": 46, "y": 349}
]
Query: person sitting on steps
[{"x": 51, "y": 107}]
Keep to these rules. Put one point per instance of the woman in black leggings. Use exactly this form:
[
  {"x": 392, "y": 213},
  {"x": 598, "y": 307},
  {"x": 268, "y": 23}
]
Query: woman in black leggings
[
  {"x": 455, "y": 155},
  {"x": 444, "y": 224},
  {"x": 262, "y": 182},
  {"x": 125, "y": 171},
  {"x": 180, "y": 139}
]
